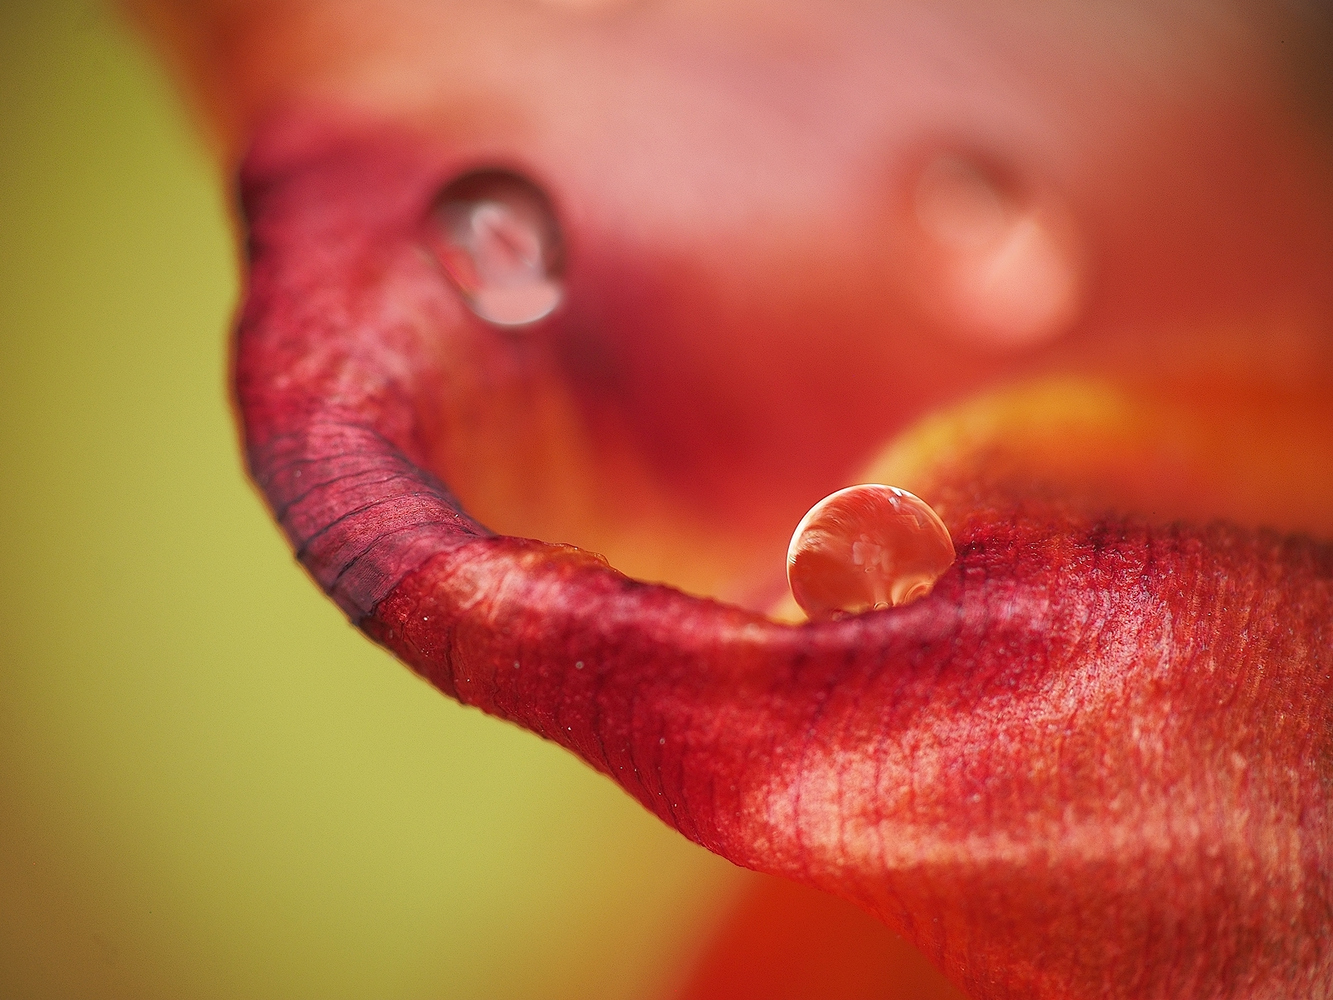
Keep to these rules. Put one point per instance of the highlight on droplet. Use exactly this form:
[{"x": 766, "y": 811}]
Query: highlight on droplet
[
  {"x": 497, "y": 238},
  {"x": 866, "y": 547}
]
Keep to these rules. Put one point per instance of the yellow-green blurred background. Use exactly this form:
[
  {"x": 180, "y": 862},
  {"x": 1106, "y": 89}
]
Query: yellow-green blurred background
[{"x": 210, "y": 785}]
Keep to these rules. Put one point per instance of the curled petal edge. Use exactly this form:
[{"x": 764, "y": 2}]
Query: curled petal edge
[{"x": 1096, "y": 760}]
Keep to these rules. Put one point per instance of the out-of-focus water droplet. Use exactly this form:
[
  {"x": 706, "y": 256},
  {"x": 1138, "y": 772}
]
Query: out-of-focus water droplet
[
  {"x": 1011, "y": 271},
  {"x": 866, "y": 547},
  {"x": 497, "y": 238}
]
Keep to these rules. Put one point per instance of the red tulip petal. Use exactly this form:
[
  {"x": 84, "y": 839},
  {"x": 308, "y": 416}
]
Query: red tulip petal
[
  {"x": 785, "y": 942},
  {"x": 1095, "y": 761}
]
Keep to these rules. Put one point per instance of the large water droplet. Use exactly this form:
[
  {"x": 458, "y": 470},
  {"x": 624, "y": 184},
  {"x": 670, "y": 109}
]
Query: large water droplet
[
  {"x": 866, "y": 547},
  {"x": 497, "y": 238}
]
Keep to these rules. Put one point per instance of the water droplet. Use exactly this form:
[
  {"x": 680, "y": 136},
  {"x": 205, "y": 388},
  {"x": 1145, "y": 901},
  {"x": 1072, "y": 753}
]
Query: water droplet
[
  {"x": 866, "y": 547},
  {"x": 1009, "y": 266},
  {"x": 959, "y": 204},
  {"x": 498, "y": 240}
]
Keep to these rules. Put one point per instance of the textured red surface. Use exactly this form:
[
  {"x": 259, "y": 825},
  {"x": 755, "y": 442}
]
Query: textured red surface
[{"x": 1097, "y": 761}]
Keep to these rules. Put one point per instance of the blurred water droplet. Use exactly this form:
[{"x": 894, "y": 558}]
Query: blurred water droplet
[
  {"x": 959, "y": 204},
  {"x": 498, "y": 240},
  {"x": 866, "y": 547},
  {"x": 1010, "y": 267}
]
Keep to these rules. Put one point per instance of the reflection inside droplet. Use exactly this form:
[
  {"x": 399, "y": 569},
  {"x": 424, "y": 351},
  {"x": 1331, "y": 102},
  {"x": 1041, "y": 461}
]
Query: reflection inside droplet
[
  {"x": 497, "y": 238},
  {"x": 1010, "y": 268},
  {"x": 866, "y": 547}
]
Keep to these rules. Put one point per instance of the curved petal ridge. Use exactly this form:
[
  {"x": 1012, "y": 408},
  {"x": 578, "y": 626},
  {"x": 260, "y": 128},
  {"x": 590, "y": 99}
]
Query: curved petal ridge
[{"x": 1096, "y": 761}]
